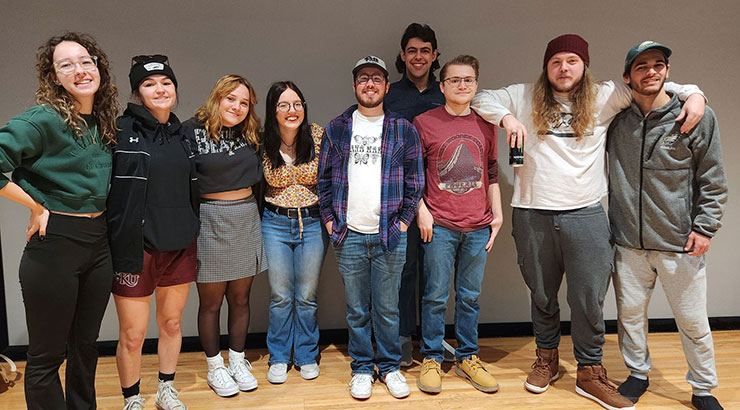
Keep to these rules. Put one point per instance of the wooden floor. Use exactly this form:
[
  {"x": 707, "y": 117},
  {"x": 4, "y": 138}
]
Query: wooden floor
[{"x": 509, "y": 360}]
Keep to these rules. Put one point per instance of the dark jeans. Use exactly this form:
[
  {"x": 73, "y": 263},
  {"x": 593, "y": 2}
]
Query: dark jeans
[
  {"x": 575, "y": 242},
  {"x": 66, "y": 281},
  {"x": 412, "y": 271}
]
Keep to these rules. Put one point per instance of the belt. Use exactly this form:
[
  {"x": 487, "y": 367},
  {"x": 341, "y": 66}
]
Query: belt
[{"x": 294, "y": 213}]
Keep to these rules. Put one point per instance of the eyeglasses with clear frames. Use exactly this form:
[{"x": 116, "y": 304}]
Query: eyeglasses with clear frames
[
  {"x": 455, "y": 81},
  {"x": 67, "y": 66},
  {"x": 376, "y": 79},
  {"x": 297, "y": 106}
]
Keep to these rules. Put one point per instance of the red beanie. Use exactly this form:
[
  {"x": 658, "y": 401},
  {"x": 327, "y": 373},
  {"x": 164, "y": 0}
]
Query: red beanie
[{"x": 572, "y": 43}]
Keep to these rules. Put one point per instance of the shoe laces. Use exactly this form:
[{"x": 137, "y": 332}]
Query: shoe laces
[
  {"x": 134, "y": 403},
  {"x": 167, "y": 396},
  {"x": 475, "y": 364},
  {"x": 394, "y": 377},
  {"x": 222, "y": 376},
  {"x": 360, "y": 378},
  {"x": 428, "y": 365},
  {"x": 607, "y": 384},
  {"x": 241, "y": 368}
]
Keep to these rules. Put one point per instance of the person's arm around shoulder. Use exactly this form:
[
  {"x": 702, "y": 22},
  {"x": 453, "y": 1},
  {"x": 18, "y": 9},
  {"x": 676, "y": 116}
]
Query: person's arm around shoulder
[
  {"x": 324, "y": 185},
  {"x": 499, "y": 107},
  {"x": 413, "y": 173},
  {"x": 710, "y": 180},
  {"x": 20, "y": 140}
]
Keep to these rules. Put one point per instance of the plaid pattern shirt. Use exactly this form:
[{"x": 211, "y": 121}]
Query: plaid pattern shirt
[{"x": 402, "y": 177}]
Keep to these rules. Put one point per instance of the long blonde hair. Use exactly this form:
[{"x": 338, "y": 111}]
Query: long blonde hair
[
  {"x": 105, "y": 104},
  {"x": 208, "y": 114},
  {"x": 546, "y": 110}
]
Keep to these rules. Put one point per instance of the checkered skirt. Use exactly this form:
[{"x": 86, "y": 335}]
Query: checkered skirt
[{"x": 230, "y": 242}]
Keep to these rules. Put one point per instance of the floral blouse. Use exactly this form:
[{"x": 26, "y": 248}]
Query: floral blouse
[{"x": 294, "y": 186}]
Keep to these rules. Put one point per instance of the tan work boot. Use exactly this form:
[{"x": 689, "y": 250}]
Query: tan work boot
[
  {"x": 544, "y": 370},
  {"x": 430, "y": 379},
  {"x": 591, "y": 382},
  {"x": 473, "y": 370}
]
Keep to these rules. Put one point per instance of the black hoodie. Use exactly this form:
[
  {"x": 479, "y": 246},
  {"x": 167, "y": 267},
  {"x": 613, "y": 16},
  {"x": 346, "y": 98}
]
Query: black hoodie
[{"x": 153, "y": 200}]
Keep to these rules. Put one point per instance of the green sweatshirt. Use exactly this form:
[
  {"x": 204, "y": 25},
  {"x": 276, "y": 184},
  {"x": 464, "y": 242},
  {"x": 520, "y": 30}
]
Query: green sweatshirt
[{"x": 59, "y": 170}]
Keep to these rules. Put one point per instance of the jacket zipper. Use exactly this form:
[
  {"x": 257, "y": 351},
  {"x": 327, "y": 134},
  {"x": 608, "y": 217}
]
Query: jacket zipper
[{"x": 642, "y": 159}]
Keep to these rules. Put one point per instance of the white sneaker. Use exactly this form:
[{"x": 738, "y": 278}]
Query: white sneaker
[
  {"x": 361, "y": 386},
  {"x": 449, "y": 352},
  {"x": 407, "y": 348},
  {"x": 167, "y": 397},
  {"x": 220, "y": 380},
  {"x": 241, "y": 371},
  {"x": 135, "y": 402},
  {"x": 278, "y": 373},
  {"x": 396, "y": 384},
  {"x": 310, "y": 371}
]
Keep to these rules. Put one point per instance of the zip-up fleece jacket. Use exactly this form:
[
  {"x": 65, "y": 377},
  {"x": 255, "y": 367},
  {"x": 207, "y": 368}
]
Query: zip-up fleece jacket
[
  {"x": 402, "y": 177},
  {"x": 129, "y": 185},
  {"x": 664, "y": 184}
]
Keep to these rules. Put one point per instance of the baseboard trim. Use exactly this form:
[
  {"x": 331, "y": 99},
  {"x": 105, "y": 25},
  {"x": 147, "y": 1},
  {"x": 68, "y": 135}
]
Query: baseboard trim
[{"x": 339, "y": 336}]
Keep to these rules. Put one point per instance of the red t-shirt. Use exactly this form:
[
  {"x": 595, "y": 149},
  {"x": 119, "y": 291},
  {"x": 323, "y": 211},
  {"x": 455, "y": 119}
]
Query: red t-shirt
[{"x": 460, "y": 158}]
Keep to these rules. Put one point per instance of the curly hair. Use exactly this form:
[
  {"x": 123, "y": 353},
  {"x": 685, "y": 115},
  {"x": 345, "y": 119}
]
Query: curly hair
[
  {"x": 105, "y": 103},
  {"x": 546, "y": 110},
  {"x": 209, "y": 116}
]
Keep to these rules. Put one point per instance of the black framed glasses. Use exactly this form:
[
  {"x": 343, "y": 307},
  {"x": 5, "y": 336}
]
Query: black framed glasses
[
  {"x": 297, "y": 106},
  {"x": 150, "y": 58},
  {"x": 376, "y": 79},
  {"x": 67, "y": 66}
]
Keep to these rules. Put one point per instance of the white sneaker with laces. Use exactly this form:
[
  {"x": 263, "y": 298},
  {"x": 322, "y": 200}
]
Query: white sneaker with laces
[
  {"x": 241, "y": 371},
  {"x": 135, "y": 402},
  {"x": 167, "y": 397},
  {"x": 220, "y": 380},
  {"x": 396, "y": 384},
  {"x": 361, "y": 386},
  {"x": 310, "y": 371},
  {"x": 278, "y": 373}
]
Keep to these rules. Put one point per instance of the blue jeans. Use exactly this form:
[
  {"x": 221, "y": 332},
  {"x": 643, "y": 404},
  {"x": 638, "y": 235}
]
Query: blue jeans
[
  {"x": 466, "y": 251},
  {"x": 295, "y": 267},
  {"x": 372, "y": 278}
]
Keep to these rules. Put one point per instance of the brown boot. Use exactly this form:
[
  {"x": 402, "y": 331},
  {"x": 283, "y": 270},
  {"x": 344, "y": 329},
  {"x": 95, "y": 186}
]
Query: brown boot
[
  {"x": 544, "y": 370},
  {"x": 592, "y": 383}
]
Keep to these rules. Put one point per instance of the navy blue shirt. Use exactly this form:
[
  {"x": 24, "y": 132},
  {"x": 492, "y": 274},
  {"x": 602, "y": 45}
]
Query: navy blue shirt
[{"x": 405, "y": 99}]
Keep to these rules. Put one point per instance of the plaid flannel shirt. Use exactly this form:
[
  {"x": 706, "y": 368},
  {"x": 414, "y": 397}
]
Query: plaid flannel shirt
[{"x": 402, "y": 177}]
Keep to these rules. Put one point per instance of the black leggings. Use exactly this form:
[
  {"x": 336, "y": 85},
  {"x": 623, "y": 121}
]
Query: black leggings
[
  {"x": 211, "y": 297},
  {"x": 66, "y": 280}
]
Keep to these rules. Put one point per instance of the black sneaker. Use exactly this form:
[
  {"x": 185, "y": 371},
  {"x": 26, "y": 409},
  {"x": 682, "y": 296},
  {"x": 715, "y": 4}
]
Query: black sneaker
[
  {"x": 633, "y": 388},
  {"x": 705, "y": 403}
]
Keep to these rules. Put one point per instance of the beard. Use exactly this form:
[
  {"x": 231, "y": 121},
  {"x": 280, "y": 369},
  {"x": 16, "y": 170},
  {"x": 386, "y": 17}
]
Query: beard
[
  {"x": 642, "y": 91},
  {"x": 370, "y": 102}
]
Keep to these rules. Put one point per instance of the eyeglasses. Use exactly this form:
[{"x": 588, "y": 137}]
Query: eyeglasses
[
  {"x": 376, "y": 79},
  {"x": 455, "y": 81},
  {"x": 297, "y": 106},
  {"x": 149, "y": 58},
  {"x": 67, "y": 66}
]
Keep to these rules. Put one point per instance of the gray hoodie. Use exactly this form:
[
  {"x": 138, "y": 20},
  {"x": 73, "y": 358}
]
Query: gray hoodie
[{"x": 664, "y": 184}]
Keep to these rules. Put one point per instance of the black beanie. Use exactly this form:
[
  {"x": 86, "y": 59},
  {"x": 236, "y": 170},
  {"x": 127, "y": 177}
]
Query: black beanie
[{"x": 146, "y": 66}]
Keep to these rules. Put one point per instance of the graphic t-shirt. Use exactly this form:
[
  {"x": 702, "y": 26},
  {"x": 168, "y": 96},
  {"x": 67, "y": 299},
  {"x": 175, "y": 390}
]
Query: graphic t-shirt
[
  {"x": 461, "y": 162},
  {"x": 363, "y": 172}
]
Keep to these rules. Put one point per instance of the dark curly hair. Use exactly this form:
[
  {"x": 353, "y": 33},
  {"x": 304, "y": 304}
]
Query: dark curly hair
[{"x": 425, "y": 34}]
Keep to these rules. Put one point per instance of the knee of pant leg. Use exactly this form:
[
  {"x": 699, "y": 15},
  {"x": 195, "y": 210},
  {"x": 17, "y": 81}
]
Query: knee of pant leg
[
  {"x": 171, "y": 327},
  {"x": 694, "y": 328}
]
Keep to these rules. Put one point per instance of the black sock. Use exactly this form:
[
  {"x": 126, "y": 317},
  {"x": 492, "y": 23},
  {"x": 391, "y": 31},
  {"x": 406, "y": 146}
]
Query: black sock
[
  {"x": 166, "y": 377},
  {"x": 131, "y": 391}
]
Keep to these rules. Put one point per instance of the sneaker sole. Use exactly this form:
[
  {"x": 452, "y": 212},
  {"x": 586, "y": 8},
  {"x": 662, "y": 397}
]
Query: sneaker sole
[
  {"x": 225, "y": 392},
  {"x": 248, "y": 387},
  {"x": 537, "y": 389},
  {"x": 485, "y": 389},
  {"x": 391, "y": 393},
  {"x": 309, "y": 376},
  {"x": 604, "y": 405},
  {"x": 361, "y": 396},
  {"x": 427, "y": 389},
  {"x": 277, "y": 381}
]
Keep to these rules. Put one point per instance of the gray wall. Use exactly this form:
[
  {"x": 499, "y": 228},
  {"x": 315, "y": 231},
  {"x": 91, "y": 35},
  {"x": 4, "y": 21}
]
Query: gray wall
[{"x": 316, "y": 43}]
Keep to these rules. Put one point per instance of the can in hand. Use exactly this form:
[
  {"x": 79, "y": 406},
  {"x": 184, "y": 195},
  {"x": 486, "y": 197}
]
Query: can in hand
[{"x": 516, "y": 156}]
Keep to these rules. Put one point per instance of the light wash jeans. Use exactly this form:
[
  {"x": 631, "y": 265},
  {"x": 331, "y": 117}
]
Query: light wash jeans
[
  {"x": 295, "y": 267},
  {"x": 684, "y": 281},
  {"x": 372, "y": 278},
  {"x": 466, "y": 252}
]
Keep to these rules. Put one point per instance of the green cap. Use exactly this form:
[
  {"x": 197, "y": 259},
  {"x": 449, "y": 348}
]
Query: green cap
[{"x": 641, "y": 48}]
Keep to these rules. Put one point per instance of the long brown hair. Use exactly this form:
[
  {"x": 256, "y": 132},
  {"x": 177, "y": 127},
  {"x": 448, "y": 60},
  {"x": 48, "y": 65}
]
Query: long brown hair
[
  {"x": 208, "y": 114},
  {"x": 546, "y": 110},
  {"x": 105, "y": 104}
]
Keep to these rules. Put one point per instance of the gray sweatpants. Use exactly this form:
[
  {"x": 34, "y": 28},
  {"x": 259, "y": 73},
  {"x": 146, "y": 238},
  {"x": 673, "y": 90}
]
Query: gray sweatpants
[
  {"x": 684, "y": 282},
  {"x": 575, "y": 242}
]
